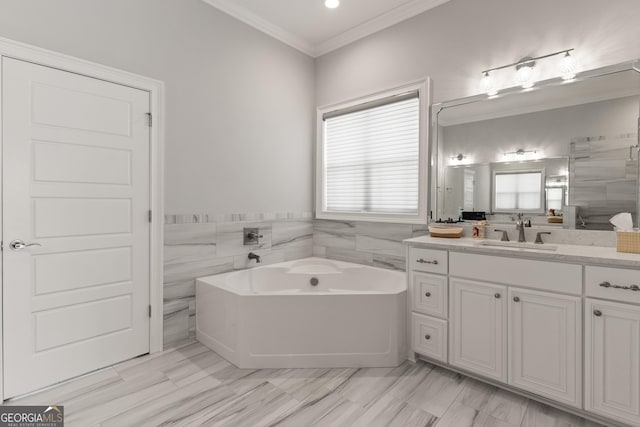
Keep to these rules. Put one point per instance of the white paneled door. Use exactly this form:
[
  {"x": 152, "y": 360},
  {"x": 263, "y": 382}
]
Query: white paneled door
[{"x": 75, "y": 224}]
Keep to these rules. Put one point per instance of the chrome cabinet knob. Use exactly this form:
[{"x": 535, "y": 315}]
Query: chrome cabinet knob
[
  {"x": 516, "y": 299},
  {"x": 427, "y": 337},
  {"x": 497, "y": 295},
  {"x": 18, "y": 245},
  {"x": 597, "y": 313},
  {"x": 427, "y": 294}
]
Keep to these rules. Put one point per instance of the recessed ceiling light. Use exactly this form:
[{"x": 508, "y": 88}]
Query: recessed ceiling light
[{"x": 332, "y": 4}]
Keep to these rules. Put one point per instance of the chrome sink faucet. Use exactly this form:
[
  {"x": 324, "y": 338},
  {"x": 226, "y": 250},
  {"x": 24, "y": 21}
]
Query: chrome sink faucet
[{"x": 520, "y": 223}]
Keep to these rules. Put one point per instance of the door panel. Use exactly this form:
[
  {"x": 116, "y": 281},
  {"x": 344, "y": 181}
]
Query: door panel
[
  {"x": 545, "y": 344},
  {"x": 612, "y": 360},
  {"x": 479, "y": 328},
  {"x": 64, "y": 217},
  {"x": 76, "y": 182},
  {"x": 80, "y": 164}
]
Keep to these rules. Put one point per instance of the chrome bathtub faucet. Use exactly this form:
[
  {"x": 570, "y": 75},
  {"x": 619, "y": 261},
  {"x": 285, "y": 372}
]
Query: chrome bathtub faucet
[{"x": 254, "y": 256}]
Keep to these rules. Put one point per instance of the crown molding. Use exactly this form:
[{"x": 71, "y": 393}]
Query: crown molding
[
  {"x": 376, "y": 24},
  {"x": 253, "y": 20}
]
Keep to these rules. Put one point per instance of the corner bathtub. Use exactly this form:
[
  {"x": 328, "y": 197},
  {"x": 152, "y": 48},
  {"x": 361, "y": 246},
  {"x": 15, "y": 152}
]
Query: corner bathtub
[{"x": 273, "y": 317}]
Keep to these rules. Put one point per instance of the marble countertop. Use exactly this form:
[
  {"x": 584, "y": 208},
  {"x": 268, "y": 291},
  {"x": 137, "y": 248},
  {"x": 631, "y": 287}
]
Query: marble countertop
[{"x": 596, "y": 255}]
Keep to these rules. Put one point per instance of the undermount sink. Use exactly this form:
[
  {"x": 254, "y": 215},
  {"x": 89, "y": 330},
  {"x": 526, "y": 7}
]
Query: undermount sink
[{"x": 518, "y": 245}]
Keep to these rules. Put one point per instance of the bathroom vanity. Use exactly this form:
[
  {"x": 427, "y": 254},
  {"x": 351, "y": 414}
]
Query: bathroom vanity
[{"x": 561, "y": 325}]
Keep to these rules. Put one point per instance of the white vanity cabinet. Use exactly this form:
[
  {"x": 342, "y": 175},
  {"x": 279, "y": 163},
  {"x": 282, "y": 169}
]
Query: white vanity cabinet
[
  {"x": 532, "y": 321},
  {"x": 612, "y": 343},
  {"x": 527, "y": 337},
  {"x": 429, "y": 302}
]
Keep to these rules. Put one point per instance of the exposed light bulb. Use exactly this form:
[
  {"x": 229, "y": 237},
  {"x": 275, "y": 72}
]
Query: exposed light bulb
[
  {"x": 488, "y": 84},
  {"x": 331, "y": 4},
  {"x": 568, "y": 66},
  {"x": 524, "y": 74}
]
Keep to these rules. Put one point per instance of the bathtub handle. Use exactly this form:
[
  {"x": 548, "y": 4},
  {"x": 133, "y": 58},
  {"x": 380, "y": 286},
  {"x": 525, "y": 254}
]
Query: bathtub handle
[{"x": 422, "y": 261}]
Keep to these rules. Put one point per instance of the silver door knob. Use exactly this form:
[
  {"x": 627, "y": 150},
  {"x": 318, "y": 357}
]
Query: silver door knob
[{"x": 18, "y": 245}]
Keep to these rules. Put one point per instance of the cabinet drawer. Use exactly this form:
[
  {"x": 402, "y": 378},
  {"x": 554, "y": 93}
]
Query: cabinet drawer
[
  {"x": 429, "y": 260},
  {"x": 430, "y": 337},
  {"x": 543, "y": 275},
  {"x": 600, "y": 282},
  {"x": 429, "y": 294}
]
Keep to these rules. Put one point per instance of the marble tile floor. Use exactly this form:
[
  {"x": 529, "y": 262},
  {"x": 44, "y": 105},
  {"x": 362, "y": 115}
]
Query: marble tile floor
[{"x": 193, "y": 386}]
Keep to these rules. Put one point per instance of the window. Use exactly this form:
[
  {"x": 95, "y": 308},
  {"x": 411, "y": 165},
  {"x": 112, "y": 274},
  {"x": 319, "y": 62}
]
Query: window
[
  {"x": 372, "y": 158},
  {"x": 518, "y": 191}
]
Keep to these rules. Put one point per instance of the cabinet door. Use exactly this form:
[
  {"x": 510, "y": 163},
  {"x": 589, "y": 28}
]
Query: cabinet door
[
  {"x": 545, "y": 344},
  {"x": 429, "y": 294},
  {"x": 612, "y": 359},
  {"x": 479, "y": 328}
]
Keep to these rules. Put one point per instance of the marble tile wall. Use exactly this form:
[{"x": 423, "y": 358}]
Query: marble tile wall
[
  {"x": 202, "y": 245},
  {"x": 376, "y": 244},
  {"x": 603, "y": 179}
]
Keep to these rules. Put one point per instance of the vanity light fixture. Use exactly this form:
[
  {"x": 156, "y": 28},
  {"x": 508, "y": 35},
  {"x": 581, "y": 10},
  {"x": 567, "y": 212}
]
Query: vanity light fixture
[
  {"x": 568, "y": 66},
  {"x": 331, "y": 4},
  {"x": 489, "y": 85},
  {"x": 525, "y": 71}
]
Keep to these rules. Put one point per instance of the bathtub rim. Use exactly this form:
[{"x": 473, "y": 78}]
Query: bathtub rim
[{"x": 220, "y": 280}]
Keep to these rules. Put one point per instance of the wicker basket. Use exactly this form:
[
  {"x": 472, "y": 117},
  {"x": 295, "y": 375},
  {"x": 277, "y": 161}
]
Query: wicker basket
[{"x": 629, "y": 241}]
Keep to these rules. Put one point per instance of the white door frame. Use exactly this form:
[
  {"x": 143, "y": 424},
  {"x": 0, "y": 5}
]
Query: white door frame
[{"x": 25, "y": 52}]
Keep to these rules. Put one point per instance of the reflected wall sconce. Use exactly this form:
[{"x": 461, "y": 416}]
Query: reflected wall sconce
[
  {"x": 460, "y": 157},
  {"x": 331, "y": 4},
  {"x": 525, "y": 71},
  {"x": 519, "y": 152}
]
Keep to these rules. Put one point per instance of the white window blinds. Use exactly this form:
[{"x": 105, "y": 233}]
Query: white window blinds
[
  {"x": 371, "y": 157},
  {"x": 518, "y": 191}
]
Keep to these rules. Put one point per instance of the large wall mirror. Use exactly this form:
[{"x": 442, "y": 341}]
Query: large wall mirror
[{"x": 564, "y": 153}]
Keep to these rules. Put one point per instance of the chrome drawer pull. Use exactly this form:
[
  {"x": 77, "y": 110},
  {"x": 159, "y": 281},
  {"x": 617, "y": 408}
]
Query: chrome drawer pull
[
  {"x": 627, "y": 288},
  {"x": 422, "y": 261}
]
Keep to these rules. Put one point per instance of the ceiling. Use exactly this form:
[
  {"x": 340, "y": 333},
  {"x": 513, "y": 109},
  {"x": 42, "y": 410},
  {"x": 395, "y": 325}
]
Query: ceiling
[{"x": 315, "y": 30}]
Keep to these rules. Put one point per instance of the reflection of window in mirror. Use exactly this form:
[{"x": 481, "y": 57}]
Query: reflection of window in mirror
[
  {"x": 518, "y": 191},
  {"x": 555, "y": 198}
]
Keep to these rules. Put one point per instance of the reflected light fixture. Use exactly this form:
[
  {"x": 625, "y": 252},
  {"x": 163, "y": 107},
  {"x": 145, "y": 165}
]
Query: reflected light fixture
[
  {"x": 331, "y": 4},
  {"x": 520, "y": 152},
  {"x": 525, "y": 75}
]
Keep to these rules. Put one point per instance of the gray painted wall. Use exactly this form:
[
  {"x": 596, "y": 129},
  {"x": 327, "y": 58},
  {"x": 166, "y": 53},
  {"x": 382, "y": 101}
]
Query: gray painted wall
[
  {"x": 454, "y": 42},
  {"x": 239, "y": 104}
]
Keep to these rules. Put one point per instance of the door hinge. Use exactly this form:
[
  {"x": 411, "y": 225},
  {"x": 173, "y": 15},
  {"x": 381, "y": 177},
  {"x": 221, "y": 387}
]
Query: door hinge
[
  {"x": 150, "y": 215},
  {"x": 150, "y": 117},
  {"x": 149, "y": 310}
]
